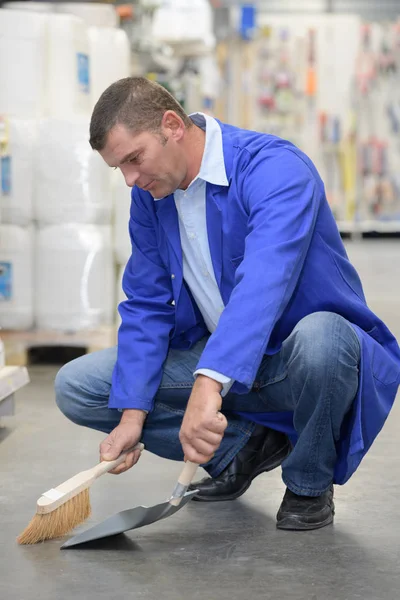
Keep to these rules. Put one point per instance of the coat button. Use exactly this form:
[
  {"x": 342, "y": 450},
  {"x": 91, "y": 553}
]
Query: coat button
[{"x": 173, "y": 276}]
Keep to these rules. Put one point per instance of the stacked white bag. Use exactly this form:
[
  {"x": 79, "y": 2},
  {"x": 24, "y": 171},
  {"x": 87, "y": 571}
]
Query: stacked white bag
[
  {"x": 16, "y": 277},
  {"x": 106, "y": 66},
  {"x": 79, "y": 259},
  {"x": 122, "y": 241},
  {"x": 73, "y": 183},
  {"x": 17, "y": 170},
  {"x": 93, "y": 13},
  {"x": 22, "y": 101},
  {"x": 50, "y": 177},
  {"x": 23, "y": 55},
  {"x": 122, "y": 203}
]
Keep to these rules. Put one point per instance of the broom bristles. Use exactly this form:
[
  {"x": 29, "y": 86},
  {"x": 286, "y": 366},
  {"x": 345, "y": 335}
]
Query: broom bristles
[{"x": 58, "y": 522}]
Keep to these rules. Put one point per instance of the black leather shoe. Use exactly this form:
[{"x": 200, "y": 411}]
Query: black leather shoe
[
  {"x": 265, "y": 450},
  {"x": 305, "y": 512}
]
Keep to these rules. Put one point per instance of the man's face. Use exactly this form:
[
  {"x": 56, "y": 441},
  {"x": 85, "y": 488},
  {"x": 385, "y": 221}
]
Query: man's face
[{"x": 153, "y": 162}]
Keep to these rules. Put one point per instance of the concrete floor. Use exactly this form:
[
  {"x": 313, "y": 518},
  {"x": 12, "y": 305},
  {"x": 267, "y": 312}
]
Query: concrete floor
[{"x": 208, "y": 552}]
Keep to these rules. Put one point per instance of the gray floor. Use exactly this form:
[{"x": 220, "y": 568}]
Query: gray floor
[{"x": 208, "y": 552}]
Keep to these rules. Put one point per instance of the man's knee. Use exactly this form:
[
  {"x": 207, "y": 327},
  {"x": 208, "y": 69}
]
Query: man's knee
[
  {"x": 84, "y": 384},
  {"x": 66, "y": 387},
  {"x": 324, "y": 338}
]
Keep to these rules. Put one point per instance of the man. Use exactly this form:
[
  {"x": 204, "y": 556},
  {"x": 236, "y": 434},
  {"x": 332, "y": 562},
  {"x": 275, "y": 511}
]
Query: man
[{"x": 238, "y": 278}]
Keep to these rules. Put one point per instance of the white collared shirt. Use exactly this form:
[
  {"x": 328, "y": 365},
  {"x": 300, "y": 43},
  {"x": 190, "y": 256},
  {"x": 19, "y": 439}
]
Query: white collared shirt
[{"x": 198, "y": 270}]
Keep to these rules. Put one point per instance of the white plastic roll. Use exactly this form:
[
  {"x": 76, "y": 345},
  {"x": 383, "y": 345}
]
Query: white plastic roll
[
  {"x": 73, "y": 183},
  {"x": 2, "y": 354},
  {"x": 23, "y": 55},
  {"x": 68, "y": 82},
  {"x": 120, "y": 295},
  {"x": 177, "y": 21},
  {"x": 96, "y": 14},
  {"x": 109, "y": 58},
  {"x": 16, "y": 277},
  {"x": 75, "y": 283},
  {"x": 42, "y": 7},
  {"x": 16, "y": 172},
  {"x": 122, "y": 203}
]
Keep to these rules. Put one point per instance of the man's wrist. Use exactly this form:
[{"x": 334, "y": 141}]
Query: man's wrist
[
  {"x": 202, "y": 381},
  {"x": 136, "y": 415}
]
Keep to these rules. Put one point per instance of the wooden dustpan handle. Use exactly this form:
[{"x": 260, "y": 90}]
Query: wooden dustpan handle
[{"x": 184, "y": 480}]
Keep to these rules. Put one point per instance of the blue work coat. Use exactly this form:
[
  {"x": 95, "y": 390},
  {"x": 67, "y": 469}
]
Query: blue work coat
[{"x": 277, "y": 257}]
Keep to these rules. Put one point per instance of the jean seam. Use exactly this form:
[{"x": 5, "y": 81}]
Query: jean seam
[
  {"x": 166, "y": 407},
  {"x": 277, "y": 379},
  {"x": 169, "y": 386},
  {"x": 323, "y": 418},
  {"x": 303, "y": 491}
]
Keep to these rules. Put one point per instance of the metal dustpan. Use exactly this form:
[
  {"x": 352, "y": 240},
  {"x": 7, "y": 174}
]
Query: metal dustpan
[{"x": 141, "y": 515}]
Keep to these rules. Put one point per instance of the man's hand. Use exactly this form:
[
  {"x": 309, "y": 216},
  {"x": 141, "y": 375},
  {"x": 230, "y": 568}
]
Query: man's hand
[
  {"x": 126, "y": 435},
  {"x": 203, "y": 425}
]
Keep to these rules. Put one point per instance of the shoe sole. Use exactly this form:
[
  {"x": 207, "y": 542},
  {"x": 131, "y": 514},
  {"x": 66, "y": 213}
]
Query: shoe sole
[
  {"x": 277, "y": 461},
  {"x": 293, "y": 524}
]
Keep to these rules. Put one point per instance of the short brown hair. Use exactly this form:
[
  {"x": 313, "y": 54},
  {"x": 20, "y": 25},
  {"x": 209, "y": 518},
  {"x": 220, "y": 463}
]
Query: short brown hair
[{"x": 135, "y": 102}]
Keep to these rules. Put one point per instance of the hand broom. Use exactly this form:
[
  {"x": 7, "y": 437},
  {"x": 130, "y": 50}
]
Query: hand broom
[{"x": 61, "y": 509}]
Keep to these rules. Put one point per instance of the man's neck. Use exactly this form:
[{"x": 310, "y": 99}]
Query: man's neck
[{"x": 194, "y": 143}]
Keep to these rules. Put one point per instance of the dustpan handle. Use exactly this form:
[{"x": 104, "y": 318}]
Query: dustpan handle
[{"x": 184, "y": 480}]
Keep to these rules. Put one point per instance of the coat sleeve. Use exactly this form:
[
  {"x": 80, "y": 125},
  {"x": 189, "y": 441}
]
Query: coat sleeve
[
  {"x": 147, "y": 315},
  {"x": 281, "y": 197}
]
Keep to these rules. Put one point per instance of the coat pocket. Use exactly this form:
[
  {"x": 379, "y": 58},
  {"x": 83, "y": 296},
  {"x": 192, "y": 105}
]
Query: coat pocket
[{"x": 236, "y": 261}]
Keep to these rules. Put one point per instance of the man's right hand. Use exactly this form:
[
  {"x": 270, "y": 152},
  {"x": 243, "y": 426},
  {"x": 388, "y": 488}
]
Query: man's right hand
[{"x": 126, "y": 435}]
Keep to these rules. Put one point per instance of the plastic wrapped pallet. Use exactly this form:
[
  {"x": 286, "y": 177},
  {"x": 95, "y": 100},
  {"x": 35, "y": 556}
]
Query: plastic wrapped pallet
[
  {"x": 16, "y": 277},
  {"x": 42, "y": 7},
  {"x": 23, "y": 56},
  {"x": 122, "y": 203},
  {"x": 109, "y": 58},
  {"x": 2, "y": 354},
  {"x": 68, "y": 84},
  {"x": 177, "y": 21},
  {"x": 75, "y": 281},
  {"x": 120, "y": 295},
  {"x": 73, "y": 183},
  {"x": 18, "y": 137},
  {"x": 96, "y": 14}
]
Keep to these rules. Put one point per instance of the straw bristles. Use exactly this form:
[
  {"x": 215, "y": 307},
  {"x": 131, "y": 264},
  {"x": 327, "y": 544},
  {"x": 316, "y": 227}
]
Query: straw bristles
[{"x": 58, "y": 522}]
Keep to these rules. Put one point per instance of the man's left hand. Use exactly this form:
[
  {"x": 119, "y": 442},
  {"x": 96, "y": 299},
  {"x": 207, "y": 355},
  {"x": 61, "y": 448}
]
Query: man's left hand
[{"x": 203, "y": 425}]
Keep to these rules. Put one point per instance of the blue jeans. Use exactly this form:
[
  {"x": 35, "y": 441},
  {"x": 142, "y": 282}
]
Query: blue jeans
[{"x": 315, "y": 375}]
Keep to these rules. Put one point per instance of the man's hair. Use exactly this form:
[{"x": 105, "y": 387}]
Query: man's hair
[{"x": 136, "y": 103}]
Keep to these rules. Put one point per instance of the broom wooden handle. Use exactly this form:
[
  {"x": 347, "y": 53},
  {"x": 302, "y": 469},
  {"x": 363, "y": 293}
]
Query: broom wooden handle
[
  {"x": 109, "y": 465},
  {"x": 55, "y": 497}
]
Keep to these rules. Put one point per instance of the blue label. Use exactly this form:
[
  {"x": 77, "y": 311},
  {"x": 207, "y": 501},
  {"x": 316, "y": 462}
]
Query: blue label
[
  {"x": 83, "y": 72},
  {"x": 5, "y": 175},
  {"x": 5, "y": 281}
]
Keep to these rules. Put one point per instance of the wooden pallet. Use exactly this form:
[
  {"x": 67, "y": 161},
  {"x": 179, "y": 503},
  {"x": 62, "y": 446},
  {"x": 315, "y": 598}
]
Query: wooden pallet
[
  {"x": 11, "y": 379},
  {"x": 17, "y": 344}
]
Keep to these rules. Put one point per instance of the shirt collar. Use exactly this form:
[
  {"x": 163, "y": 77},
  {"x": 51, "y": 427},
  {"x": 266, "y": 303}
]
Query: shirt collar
[{"x": 212, "y": 168}]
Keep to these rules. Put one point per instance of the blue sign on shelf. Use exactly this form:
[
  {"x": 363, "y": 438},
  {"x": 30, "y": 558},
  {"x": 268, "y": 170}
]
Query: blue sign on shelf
[
  {"x": 83, "y": 72},
  {"x": 5, "y": 175},
  {"x": 5, "y": 281}
]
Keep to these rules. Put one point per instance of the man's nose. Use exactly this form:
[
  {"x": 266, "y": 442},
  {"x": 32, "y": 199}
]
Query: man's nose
[{"x": 131, "y": 177}]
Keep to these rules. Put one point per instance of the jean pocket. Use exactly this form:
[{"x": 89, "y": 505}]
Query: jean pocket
[{"x": 272, "y": 370}]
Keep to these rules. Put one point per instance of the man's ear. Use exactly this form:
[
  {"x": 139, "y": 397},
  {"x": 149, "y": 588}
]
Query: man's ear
[{"x": 172, "y": 125}]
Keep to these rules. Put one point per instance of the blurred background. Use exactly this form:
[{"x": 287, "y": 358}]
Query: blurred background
[{"x": 321, "y": 73}]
